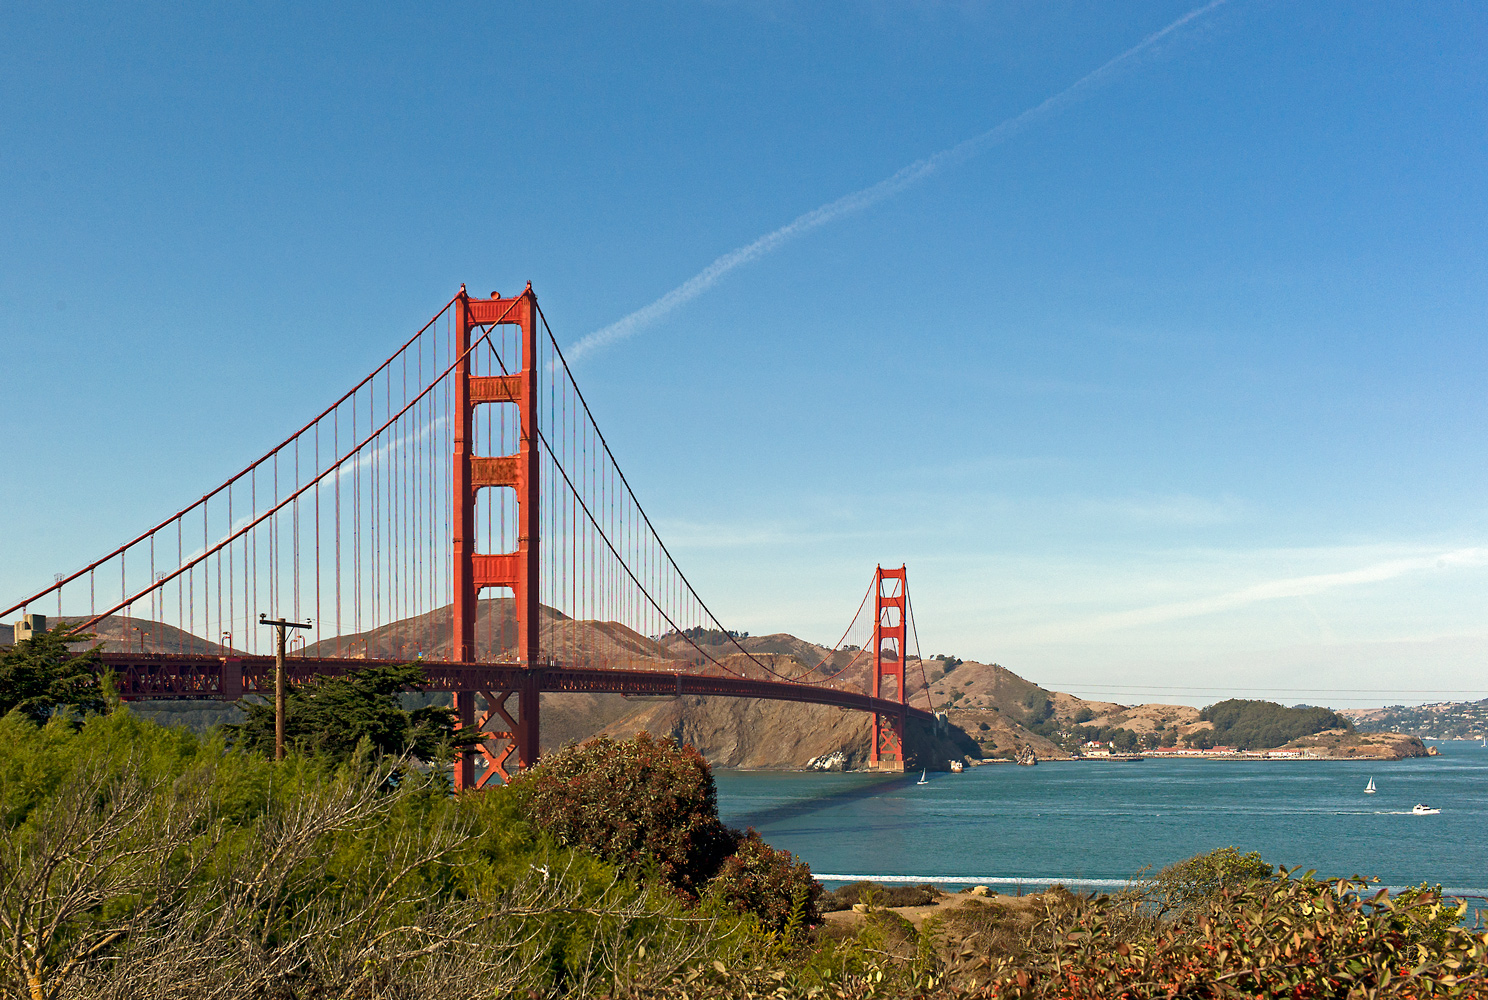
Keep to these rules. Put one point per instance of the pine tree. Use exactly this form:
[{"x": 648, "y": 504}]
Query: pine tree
[
  {"x": 329, "y": 716},
  {"x": 41, "y": 676}
]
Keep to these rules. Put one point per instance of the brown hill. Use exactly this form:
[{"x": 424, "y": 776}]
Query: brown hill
[
  {"x": 986, "y": 700},
  {"x": 730, "y": 732},
  {"x": 750, "y": 734},
  {"x": 430, "y": 635},
  {"x": 993, "y": 712},
  {"x": 122, "y": 633}
]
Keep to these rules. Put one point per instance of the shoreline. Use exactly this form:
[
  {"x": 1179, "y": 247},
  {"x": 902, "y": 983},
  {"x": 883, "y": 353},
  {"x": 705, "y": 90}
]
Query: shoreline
[{"x": 1224, "y": 757}]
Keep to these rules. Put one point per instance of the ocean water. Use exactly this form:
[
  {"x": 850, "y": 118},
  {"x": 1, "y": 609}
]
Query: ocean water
[{"x": 1098, "y": 823}]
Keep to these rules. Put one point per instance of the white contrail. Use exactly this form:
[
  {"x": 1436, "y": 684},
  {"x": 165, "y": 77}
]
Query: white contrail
[{"x": 859, "y": 200}]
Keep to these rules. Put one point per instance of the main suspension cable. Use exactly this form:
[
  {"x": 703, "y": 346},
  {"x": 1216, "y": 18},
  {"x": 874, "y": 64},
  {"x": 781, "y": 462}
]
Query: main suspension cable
[
  {"x": 579, "y": 393},
  {"x": 919, "y": 653}
]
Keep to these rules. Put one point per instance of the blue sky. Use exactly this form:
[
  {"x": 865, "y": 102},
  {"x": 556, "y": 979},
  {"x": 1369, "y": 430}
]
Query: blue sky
[{"x": 1175, "y": 393}]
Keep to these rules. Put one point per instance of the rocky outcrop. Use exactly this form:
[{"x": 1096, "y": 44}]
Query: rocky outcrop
[
  {"x": 1340, "y": 744},
  {"x": 834, "y": 761}
]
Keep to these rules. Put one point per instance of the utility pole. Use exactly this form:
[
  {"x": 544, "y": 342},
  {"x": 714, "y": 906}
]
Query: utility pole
[{"x": 281, "y": 624}]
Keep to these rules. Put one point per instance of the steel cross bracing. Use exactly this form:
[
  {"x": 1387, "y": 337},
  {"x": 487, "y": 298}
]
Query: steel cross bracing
[{"x": 460, "y": 507}]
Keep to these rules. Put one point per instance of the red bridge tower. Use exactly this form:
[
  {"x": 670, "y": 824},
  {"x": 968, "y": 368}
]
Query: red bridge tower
[
  {"x": 517, "y": 570},
  {"x": 890, "y": 589}
]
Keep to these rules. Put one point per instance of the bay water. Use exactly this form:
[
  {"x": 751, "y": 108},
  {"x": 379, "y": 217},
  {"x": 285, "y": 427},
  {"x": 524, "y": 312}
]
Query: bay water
[{"x": 1095, "y": 823}]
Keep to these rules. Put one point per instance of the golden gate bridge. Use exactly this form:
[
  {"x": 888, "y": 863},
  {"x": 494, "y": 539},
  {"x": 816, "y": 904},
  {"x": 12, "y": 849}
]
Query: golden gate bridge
[{"x": 468, "y": 462}]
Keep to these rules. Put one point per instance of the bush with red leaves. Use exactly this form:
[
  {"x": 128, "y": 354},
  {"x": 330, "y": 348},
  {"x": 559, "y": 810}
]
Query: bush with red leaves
[
  {"x": 636, "y": 803},
  {"x": 771, "y": 884}
]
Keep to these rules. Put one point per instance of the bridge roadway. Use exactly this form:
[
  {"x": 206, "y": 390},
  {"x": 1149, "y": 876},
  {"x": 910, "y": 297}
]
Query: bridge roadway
[{"x": 169, "y": 676}]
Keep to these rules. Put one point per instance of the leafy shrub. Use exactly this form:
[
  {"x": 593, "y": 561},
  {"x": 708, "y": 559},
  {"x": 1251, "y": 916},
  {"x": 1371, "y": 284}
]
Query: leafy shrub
[
  {"x": 1038, "y": 707},
  {"x": 1186, "y": 884},
  {"x": 638, "y": 804},
  {"x": 1287, "y": 936},
  {"x": 771, "y": 884}
]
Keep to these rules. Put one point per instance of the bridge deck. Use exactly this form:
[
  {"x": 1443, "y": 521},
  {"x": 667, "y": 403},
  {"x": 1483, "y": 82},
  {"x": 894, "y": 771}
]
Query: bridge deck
[{"x": 164, "y": 676}]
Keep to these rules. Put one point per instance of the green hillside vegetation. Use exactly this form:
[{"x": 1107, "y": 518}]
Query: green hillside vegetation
[
  {"x": 1262, "y": 725},
  {"x": 137, "y": 860}
]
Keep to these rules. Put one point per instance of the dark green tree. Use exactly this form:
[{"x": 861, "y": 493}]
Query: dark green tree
[
  {"x": 330, "y": 716},
  {"x": 1251, "y": 725},
  {"x": 40, "y": 676}
]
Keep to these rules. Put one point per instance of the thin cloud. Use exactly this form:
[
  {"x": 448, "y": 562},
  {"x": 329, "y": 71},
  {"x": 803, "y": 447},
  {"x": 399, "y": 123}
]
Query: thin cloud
[
  {"x": 1297, "y": 586},
  {"x": 1177, "y": 509},
  {"x": 857, "y": 201}
]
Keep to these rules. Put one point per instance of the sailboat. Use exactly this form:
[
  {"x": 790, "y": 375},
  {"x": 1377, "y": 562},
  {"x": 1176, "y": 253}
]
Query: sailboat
[
  {"x": 923, "y": 780},
  {"x": 1369, "y": 789}
]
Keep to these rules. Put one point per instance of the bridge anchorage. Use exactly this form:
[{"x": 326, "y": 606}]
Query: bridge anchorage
[{"x": 458, "y": 507}]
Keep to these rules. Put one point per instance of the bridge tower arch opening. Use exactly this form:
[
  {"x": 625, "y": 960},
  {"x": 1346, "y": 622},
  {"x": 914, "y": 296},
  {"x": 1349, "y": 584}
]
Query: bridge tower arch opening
[
  {"x": 890, "y": 597},
  {"x": 515, "y": 570}
]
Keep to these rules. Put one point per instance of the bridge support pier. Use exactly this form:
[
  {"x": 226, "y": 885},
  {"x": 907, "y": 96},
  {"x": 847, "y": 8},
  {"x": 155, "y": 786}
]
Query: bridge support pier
[
  {"x": 503, "y": 735},
  {"x": 888, "y": 741}
]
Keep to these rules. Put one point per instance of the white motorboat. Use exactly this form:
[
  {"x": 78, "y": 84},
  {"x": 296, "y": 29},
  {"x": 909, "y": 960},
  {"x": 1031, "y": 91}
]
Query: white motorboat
[
  {"x": 923, "y": 780},
  {"x": 1369, "y": 789},
  {"x": 1422, "y": 809}
]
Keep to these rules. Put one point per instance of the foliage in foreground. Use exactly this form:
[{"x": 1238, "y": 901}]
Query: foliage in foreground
[
  {"x": 650, "y": 807},
  {"x": 138, "y": 861},
  {"x": 880, "y": 895},
  {"x": 637, "y": 803},
  {"x": 1287, "y": 936},
  {"x": 1184, "y": 885}
]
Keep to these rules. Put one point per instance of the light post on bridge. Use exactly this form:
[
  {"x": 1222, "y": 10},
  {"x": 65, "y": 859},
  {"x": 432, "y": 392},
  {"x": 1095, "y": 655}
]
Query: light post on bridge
[{"x": 280, "y": 624}]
